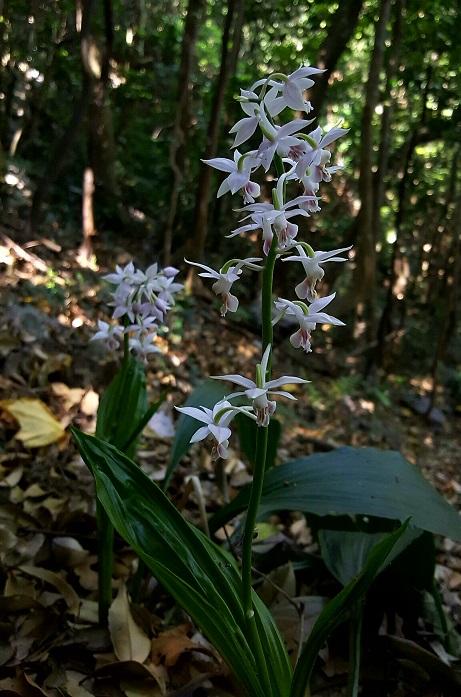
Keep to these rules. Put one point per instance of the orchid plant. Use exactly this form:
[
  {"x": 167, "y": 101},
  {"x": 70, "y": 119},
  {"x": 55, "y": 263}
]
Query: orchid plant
[
  {"x": 301, "y": 162},
  {"x": 141, "y": 301},
  {"x": 214, "y": 587}
]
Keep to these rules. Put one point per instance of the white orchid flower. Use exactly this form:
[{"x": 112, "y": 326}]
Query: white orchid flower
[
  {"x": 110, "y": 334},
  {"x": 294, "y": 85},
  {"x": 225, "y": 278},
  {"x": 260, "y": 390},
  {"x": 240, "y": 169},
  {"x": 251, "y": 105},
  {"x": 282, "y": 140},
  {"x": 141, "y": 345},
  {"x": 216, "y": 422},
  {"x": 313, "y": 268},
  {"x": 307, "y": 317},
  {"x": 270, "y": 218},
  {"x": 316, "y": 157},
  {"x": 125, "y": 274}
]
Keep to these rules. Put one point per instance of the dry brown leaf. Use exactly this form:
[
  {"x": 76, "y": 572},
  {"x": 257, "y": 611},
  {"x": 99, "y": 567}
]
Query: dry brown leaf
[
  {"x": 74, "y": 684},
  {"x": 10, "y": 478},
  {"x": 69, "y": 551},
  {"x": 38, "y": 426},
  {"x": 22, "y": 685},
  {"x": 90, "y": 403},
  {"x": 134, "y": 671},
  {"x": 67, "y": 592},
  {"x": 89, "y": 612},
  {"x": 70, "y": 395},
  {"x": 128, "y": 639},
  {"x": 169, "y": 645}
]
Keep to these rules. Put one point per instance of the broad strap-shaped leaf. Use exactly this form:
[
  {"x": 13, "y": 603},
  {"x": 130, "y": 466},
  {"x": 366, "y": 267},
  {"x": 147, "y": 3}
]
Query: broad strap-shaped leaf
[
  {"x": 363, "y": 481},
  {"x": 207, "y": 394},
  {"x": 202, "y": 577},
  {"x": 338, "y": 609}
]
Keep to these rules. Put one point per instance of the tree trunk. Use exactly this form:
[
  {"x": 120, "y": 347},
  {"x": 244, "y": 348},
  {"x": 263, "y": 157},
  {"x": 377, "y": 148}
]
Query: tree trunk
[
  {"x": 364, "y": 282},
  {"x": 340, "y": 31},
  {"x": 385, "y": 322},
  {"x": 183, "y": 120},
  {"x": 450, "y": 288},
  {"x": 66, "y": 143},
  {"x": 101, "y": 141},
  {"x": 230, "y": 45},
  {"x": 386, "y": 120}
]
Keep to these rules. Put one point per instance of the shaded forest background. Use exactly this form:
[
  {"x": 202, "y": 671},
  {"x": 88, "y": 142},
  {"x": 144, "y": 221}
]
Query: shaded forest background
[{"x": 107, "y": 107}]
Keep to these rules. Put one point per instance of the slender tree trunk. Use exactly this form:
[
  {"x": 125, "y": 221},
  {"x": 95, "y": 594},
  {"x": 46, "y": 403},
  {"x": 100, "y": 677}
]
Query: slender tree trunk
[
  {"x": 230, "y": 45},
  {"x": 365, "y": 270},
  {"x": 183, "y": 120},
  {"x": 386, "y": 120},
  {"x": 341, "y": 29},
  {"x": 101, "y": 140},
  {"x": 85, "y": 251},
  {"x": 440, "y": 229},
  {"x": 450, "y": 288},
  {"x": 393, "y": 290},
  {"x": 65, "y": 144}
]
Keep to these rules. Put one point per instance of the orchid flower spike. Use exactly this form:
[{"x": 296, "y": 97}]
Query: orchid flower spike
[
  {"x": 307, "y": 317},
  {"x": 312, "y": 264},
  {"x": 216, "y": 426},
  {"x": 225, "y": 278},
  {"x": 260, "y": 390}
]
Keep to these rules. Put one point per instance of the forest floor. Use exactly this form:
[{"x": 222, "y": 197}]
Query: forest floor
[{"x": 50, "y": 642}]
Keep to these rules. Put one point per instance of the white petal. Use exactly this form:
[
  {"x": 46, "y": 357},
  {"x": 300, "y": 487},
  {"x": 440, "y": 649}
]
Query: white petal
[
  {"x": 221, "y": 433},
  {"x": 244, "y": 129},
  {"x": 291, "y": 127},
  {"x": 236, "y": 379},
  {"x": 221, "y": 163},
  {"x": 196, "y": 413},
  {"x": 200, "y": 434},
  {"x": 333, "y": 135},
  {"x": 323, "y": 318},
  {"x": 224, "y": 188},
  {"x": 282, "y": 393},
  {"x": 320, "y": 303},
  {"x": 286, "y": 380},
  {"x": 214, "y": 273},
  {"x": 256, "y": 392}
]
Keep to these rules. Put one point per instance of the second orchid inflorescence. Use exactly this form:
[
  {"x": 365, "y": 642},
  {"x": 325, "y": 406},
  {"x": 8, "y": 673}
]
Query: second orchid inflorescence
[
  {"x": 301, "y": 160},
  {"x": 141, "y": 300}
]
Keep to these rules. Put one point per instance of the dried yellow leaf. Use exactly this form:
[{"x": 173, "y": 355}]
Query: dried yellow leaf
[
  {"x": 38, "y": 426},
  {"x": 128, "y": 639}
]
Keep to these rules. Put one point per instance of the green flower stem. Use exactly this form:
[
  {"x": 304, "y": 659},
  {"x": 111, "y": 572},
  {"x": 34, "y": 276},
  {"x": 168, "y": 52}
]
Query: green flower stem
[
  {"x": 255, "y": 496},
  {"x": 258, "y": 477},
  {"x": 355, "y": 650},
  {"x": 106, "y": 562}
]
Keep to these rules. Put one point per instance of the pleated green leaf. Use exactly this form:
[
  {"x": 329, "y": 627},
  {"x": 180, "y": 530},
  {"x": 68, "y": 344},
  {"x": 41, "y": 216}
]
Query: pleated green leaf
[{"x": 363, "y": 481}]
